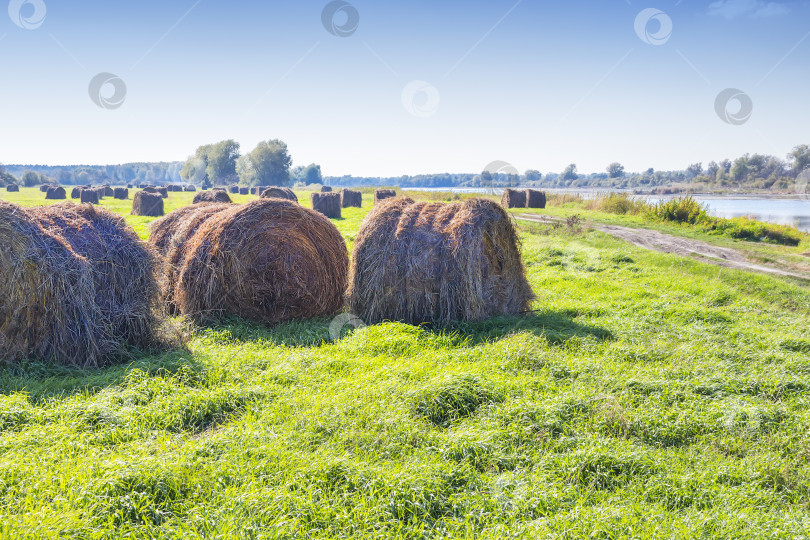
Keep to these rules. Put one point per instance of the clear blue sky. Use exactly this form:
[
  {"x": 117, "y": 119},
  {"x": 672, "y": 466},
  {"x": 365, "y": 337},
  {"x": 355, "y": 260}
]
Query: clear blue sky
[{"x": 538, "y": 84}]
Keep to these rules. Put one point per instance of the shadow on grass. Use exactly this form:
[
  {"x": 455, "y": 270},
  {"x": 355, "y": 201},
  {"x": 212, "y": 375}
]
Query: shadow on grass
[
  {"x": 43, "y": 380},
  {"x": 556, "y": 327},
  {"x": 296, "y": 334}
]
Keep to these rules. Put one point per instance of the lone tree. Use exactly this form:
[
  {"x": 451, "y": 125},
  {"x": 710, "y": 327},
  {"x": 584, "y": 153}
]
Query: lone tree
[
  {"x": 311, "y": 174},
  {"x": 615, "y": 170},
  {"x": 267, "y": 165}
]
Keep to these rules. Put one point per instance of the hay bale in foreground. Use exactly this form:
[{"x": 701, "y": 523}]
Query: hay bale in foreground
[
  {"x": 216, "y": 196},
  {"x": 513, "y": 198},
  {"x": 382, "y": 194},
  {"x": 88, "y": 196},
  {"x": 326, "y": 189},
  {"x": 350, "y": 198},
  {"x": 79, "y": 286},
  {"x": 56, "y": 193},
  {"x": 279, "y": 193},
  {"x": 147, "y": 204},
  {"x": 13, "y": 188},
  {"x": 170, "y": 237},
  {"x": 244, "y": 191},
  {"x": 269, "y": 261},
  {"x": 123, "y": 270},
  {"x": 327, "y": 204},
  {"x": 535, "y": 199},
  {"x": 121, "y": 194},
  {"x": 419, "y": 262}
]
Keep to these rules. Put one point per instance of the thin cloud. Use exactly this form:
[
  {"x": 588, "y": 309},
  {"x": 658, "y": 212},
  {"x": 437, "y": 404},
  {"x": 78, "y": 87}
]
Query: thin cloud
[{"x": 754, "y": 9}]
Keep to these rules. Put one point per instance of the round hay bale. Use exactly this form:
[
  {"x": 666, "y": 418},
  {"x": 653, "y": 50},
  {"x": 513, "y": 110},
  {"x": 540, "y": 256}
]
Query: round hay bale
[
  {"x": 216, "y": 196},
  {"x": 170, "y": 237},
  {"x": 535, "y": 199},
  {"x": 419, "y": 262},
  {"x": 279, "y": 193},
  {"x": 382, "y": 194},
  {"x": 123, "y": 270},
  {"x": 513, "y": 198},
  {"x": 233, "y": 190},
  {"x": 56, "y": 193},
  {"x": 147, "y": 204},
  {"x": 327, "y": 204},
  {"x": 191, "y": 189},
  {"x": 44, "y": 188},
  {"x": 108, "y": 191},
  {"x": 130, "y": 186},
  {"x": 76, "y": 193},
  {"x": 164, "y": 192},
  {"x": 269, "y": 261},
  {"x": 89, "y": 196},
  {"x": 326, "y": 189},
  {"x": 101, "y": 192},
  {"x": 121, "y": 194},
  {"x": 47, "y": 300},
  {"x": 350, "y": 198},
  {"x": 174, "y": 187},
  {"x": 13, "y": 188}
]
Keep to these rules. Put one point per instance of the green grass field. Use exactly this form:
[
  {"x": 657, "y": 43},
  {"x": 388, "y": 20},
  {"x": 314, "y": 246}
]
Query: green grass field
[{"x": 648, "y": 396}]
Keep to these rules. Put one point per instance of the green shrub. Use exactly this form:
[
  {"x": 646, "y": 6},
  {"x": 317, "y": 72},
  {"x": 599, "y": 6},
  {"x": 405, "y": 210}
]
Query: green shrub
[
  {"x": 617, "y": 203},
  {"x": 680, "y": 210}
]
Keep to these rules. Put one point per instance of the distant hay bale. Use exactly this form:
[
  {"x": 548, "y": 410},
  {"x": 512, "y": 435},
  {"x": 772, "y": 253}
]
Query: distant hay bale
[
  {"x": 258, "y": 190},
  {"x": 382, "y": 194},
  {"x": 163, "y": 192},
  {"x": 535, "y": 199},
  {"x": 326, "y": 189},
  {"x": 56, "y": 193},
  {"x": 170, "y": 237},
  {"x": 89, "y": 196},
  {"x": 191, "y": 189},
  {"x": 13, "y": 188},
  {"x": 327, "y": 204},
  {"x": 244, "y": 191},
  {"x": 121, "y": 194},
  {"x": 130, "y": 186},
  {"x": 44, "y": 188},
  {"x": 108, "y": 191},
  {"x": 269, "y": 261},
  {"x": 76, "y": 193},
  {"x": 513, "y": 198},
  {"x": 419, "y": 262},
  {"x": 79, "y": 286},
  {"x": 100, "y": 191},
  {"x": 175, "y": 187},
  {"x": 279, "y": 193},
  {"x": 216, "y": 196},
  {"x": 147, "y": 204},
  {"x": 351, "y": 198},
  {"x": 233, "y": 190}
]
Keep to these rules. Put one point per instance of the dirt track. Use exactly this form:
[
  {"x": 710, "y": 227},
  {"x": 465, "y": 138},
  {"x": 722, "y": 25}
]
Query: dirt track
[{"x": 666, "y": 243}]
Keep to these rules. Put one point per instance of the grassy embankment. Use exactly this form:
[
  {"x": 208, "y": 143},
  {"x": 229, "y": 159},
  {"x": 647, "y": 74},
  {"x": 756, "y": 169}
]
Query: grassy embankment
[{"x": 648, "y": 396}]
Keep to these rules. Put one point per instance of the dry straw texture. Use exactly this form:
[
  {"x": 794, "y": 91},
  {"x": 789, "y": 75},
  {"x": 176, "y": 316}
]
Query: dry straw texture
[
  {"x": 420, "y": 262},
  {"x": 351, "y": 198},
  {"x": 147, "y": 204},
  {"x": 270, "y": 261},
  {"x": 327, "y": 204},
  {"x": 513, "y": 198},
  {"x": 215, "y": 196},
  {"x": 535, "y": 199},
  {"x": 279, "y": 193},
  {"x": 382, "y": 194},
  {"x": 78, "y": 288}
]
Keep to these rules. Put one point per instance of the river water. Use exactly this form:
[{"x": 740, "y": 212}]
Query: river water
[{"x": 795, "y": 212}]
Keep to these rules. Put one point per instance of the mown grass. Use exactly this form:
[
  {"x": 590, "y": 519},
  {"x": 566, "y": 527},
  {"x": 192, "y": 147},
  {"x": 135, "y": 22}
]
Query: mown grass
[{"x": 647, "y": 396}]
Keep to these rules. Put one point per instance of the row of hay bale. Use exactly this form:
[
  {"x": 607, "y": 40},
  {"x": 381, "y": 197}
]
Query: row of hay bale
[
  {"x": 79, "y": 288},
  {"x": 525, "y": 198}
]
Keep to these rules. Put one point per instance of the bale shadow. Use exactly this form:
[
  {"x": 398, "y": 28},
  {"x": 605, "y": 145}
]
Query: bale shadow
[
  {"x": 294, "y": 334},
  {"x": 45, "y": 380},
  {"x": 556, "y": 327}
]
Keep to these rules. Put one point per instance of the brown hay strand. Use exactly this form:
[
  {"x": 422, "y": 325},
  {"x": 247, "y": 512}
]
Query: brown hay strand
[
  {"x": 535, "y": 199},
  {"x": 89, "y": 196},
  {"x": 215, "y": 196},
  {"x": 121, "y": 193},
  {"x": 147, "y": 204},
  {"x": 270, "y": 260},
  {"x": 382, "y": 194},
  {"x": 279, "y": 193},
  {"x": 351, "y": 198},
  {"x": 123, "y": 268},
  {"x": 513, "y": 198},
  {"x": 56, "y": 193},
  {"x": 13, "y": 188},
  {"x": 419, "y": 262},
  {"x": 170, "y": 236},
  {"x": 327, "y": 204}
]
